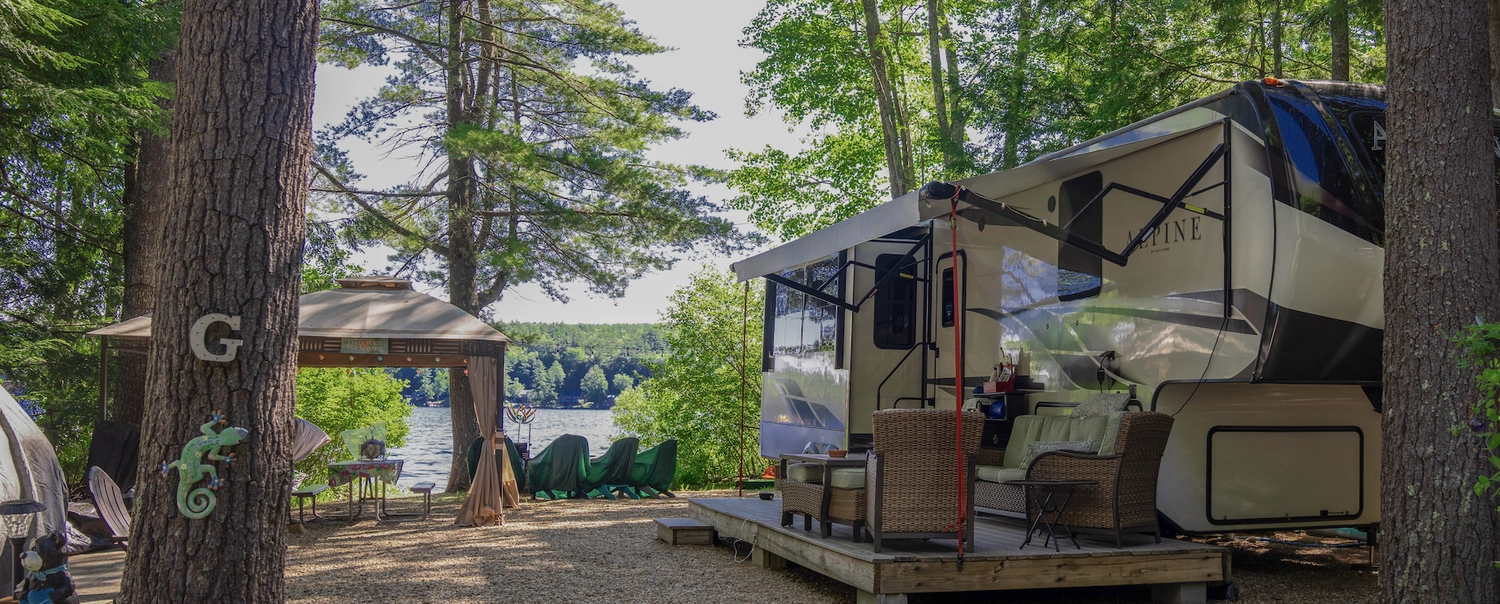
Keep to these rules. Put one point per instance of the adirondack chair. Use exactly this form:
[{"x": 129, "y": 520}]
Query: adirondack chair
[
  {"x": 561, "y": 470},
  {"x": 654, "y": 469},
  {"x": 516, "y": 466},
  {"x": 110, "y": 504},
  {"x": 612, "y": 470}
]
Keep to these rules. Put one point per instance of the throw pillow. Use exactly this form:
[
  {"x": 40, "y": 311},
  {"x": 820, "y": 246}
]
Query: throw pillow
[
  {"x": 1036, "y": 448},
  {"x": 1101, "y": 404}
]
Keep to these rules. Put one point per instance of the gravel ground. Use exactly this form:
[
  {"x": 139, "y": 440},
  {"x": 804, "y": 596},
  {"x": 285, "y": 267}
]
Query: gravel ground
[{"x": 606, "y": 551}]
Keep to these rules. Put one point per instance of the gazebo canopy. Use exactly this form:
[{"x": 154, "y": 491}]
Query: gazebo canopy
[{"x": 367, "y": 322}]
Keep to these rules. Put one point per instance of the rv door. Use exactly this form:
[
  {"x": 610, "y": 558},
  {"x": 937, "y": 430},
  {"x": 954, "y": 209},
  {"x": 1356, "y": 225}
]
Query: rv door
[{"x": 950, "y": 296}]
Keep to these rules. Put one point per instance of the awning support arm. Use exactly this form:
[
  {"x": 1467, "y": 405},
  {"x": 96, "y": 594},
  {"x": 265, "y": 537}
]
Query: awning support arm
[
  {"x": 906, "y": 260},
  {"x": 942, "y": 190},
  {"x": 778, "y": 279}
]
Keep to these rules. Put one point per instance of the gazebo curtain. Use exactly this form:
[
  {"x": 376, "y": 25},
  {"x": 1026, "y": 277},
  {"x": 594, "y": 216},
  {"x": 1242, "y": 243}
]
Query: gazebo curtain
[{"x": 483, "y": 504}]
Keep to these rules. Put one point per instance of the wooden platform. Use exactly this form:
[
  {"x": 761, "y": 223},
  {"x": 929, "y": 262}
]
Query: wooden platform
[{"x": 1180, "y": 569}]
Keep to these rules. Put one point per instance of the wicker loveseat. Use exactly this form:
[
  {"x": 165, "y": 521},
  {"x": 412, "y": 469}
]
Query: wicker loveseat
[
  {"x": 1126, "y": 467},
  {"x": 912, "y": 478}
]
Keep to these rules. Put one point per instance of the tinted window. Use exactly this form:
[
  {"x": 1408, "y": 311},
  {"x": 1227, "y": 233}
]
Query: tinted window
[
  {"x": 1324, "y": 185},
  {"x": 895, "y": 303},
  {"x": 1079, "y": 273},
  {"x": 804, "y": 324}
]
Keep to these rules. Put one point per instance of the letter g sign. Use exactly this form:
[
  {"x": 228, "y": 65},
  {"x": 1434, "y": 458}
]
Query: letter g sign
[{"x": 200, "y": 329}]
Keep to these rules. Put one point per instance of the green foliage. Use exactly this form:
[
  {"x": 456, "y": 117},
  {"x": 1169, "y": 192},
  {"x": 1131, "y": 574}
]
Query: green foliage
[
  {"x": 536, "y": 104},
  {"x": 621, "y": 383},
  {"x": 694, "y": 394},
  {"x": 595, "y": 386},
  {"x": 1480, "y": 345},
  {"x": 1021, "y": 78},
  {"x": 344, "y": 399}
]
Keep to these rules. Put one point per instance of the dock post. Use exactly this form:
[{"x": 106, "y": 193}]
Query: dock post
[
  {"x": 764, "y": 559},
  {"x": 1180, "y": 593},
  {"x": 866, "y": 597}
]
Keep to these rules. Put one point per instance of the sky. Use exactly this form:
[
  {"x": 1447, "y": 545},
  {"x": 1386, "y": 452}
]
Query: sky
[{"x": 706, "y": 60}]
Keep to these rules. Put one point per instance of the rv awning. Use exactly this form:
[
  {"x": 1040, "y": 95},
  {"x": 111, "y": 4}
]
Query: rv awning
[
  {"x": 367, "y": 307},
  {"x": 908, "y": 210}
]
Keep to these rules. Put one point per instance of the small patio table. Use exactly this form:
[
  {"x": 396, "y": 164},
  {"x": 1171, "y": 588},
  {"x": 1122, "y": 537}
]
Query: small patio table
[
  {"x": 380, "y": 472},
  {"x": 1042, "y": 493},
  {"x": 825, "y": 525}
]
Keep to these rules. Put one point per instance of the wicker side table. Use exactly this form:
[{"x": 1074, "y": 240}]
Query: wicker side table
[{"x": 829, "y": 505}]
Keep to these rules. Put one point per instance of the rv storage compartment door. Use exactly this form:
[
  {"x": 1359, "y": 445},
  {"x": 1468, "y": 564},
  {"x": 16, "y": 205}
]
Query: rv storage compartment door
[{"x": 1281, "y": 473}]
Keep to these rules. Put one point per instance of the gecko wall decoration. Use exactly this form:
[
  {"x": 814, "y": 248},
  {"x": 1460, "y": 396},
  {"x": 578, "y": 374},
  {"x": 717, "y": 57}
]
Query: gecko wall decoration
[{"x": 197, "y": 460}]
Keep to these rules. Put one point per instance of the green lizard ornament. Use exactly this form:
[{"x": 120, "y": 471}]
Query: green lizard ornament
[{"x": 198, "y": 503}]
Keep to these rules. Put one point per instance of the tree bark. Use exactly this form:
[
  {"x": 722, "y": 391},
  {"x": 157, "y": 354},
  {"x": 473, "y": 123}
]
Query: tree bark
[
  {"x": 1494, "y": 21},
  {"x": 462, "y": 269},
  {"x": 1276, "y": 27},
  {"x": 884, "y": 99},
  {"x": 1439, "y": 540},
  {"x": 146, "y": 197},
  {"x": 939, "y": 85},
  {"x": 1017, "y": 118},
  {"x": 1338, "y": 34},
  {"x": 241, "y": 143}
]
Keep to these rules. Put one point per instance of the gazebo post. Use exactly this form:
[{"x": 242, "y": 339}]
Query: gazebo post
[{"x": 103, "y": 378}]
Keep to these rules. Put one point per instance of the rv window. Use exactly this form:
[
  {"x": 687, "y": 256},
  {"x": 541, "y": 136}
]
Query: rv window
[
  {"x": 948, "y": 297},
  {"x": 895, "y": 304},
  {"x": 1324, "y": 186},
  {"x": 1079, "y": 273}
]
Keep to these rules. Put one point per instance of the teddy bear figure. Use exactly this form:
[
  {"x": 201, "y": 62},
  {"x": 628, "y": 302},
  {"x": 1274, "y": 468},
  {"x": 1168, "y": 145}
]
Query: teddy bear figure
[{"x": 47, "y": 579}]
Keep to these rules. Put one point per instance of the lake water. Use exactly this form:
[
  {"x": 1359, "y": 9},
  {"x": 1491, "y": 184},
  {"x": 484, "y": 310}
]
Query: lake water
[{"x": 429, "y": 444}]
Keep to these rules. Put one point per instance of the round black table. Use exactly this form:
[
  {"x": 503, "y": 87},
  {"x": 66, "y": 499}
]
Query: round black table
[{"x": 1043, "y": 492}]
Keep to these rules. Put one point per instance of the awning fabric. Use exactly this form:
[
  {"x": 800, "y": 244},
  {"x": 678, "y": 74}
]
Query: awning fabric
[
  {"x": 908, "y": 210},
  {"x": 369, "y": 307}
]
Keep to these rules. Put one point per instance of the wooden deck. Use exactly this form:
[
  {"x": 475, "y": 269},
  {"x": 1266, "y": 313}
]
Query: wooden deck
[{"x": 1180, "y": 569}]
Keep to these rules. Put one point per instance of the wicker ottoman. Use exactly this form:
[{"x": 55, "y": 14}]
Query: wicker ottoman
[{"x": 845, "y": 506}]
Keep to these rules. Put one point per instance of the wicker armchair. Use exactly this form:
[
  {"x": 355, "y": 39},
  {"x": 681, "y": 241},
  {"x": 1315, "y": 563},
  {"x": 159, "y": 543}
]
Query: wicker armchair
[
  {"x": 913, "y": 486},
  {"x": 1125, "y": 499}
]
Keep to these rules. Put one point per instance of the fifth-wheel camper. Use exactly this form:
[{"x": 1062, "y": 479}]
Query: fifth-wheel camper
[{"x": 1221, "y": 262}]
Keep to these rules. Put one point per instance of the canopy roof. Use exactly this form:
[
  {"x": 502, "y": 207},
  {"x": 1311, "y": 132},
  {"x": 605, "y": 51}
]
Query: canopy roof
[
  {"x": 362, "y": 307},
  {"x": 908, "y": 210}
]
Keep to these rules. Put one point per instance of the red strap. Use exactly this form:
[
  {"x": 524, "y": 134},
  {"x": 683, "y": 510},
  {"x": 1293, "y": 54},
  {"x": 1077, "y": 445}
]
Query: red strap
[{"x": 958, "y": 377}]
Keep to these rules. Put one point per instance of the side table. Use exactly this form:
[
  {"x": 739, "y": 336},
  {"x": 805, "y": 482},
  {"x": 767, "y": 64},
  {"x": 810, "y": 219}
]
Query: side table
[
  {"x": 1043, "y": 493},
  {"x": 823, "y": 501}
]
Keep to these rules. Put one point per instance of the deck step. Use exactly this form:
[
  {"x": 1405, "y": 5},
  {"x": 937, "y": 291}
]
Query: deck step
[{"x": 684, "y": 531}]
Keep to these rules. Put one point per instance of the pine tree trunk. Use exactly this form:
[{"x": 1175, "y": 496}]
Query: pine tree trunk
[
  {"x": 462, "y": 271},
  {"x": 1338, "y": 34},
  {"x": 1276, "y": 27},
  {"x": 1494, "y": 21},
  {"x": 241, "y": 142},
  {"x": 884, "y": 99},
  {"x": 1016, "y": 115},
  {"x": 146, "y": 197},
  {"x": 1439, "y": 540},
  {"x": 939, "y": 85}
]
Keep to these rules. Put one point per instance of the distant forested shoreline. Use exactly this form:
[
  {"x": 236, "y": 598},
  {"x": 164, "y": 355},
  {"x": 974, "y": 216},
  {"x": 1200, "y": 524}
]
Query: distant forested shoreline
[{"x": 559, "y": 364}]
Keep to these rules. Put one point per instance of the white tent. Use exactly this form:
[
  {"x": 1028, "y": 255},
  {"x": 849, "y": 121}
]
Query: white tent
[{"x": 29, "y": 467}]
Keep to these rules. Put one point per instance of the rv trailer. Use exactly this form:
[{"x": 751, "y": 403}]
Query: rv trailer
[{"x": 1221, "y": 261}]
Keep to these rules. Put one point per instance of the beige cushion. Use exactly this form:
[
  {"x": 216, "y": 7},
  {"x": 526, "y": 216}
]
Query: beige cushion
[
  {"x": 999, "y": 474},
  {"x": 1101, "y": 404},
  {"x": 847, "y": 478},
  {"x": 1036, "y": 428},
  {"x": 805, "y": 472}
]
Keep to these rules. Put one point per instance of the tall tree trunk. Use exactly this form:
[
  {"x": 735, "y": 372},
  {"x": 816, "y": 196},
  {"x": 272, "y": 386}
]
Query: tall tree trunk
[
  {"x": 1276, "y": 29},
  {"x": 1494, "y": 21},
  {"x": 1439, "y": 540},
  {"x": 1017, "y": 118},
  {"x": 884, "y": 99},
  {"x": 462, "y": 269},
  {"x": 241, "y": 142},
  {"x": 1338, "y": 34},
  {"x": 957, "y": 114},
  {"x": 146, "y": 198},
  {"x": 939, "y": 85}
]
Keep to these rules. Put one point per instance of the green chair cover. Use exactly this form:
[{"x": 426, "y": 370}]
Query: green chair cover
[
  {"x": 612, "y": 470},
  {"x": 560, "y": 470},
  {"x": 510, "y": 451},
  {"x": 655, "y": 469}
]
